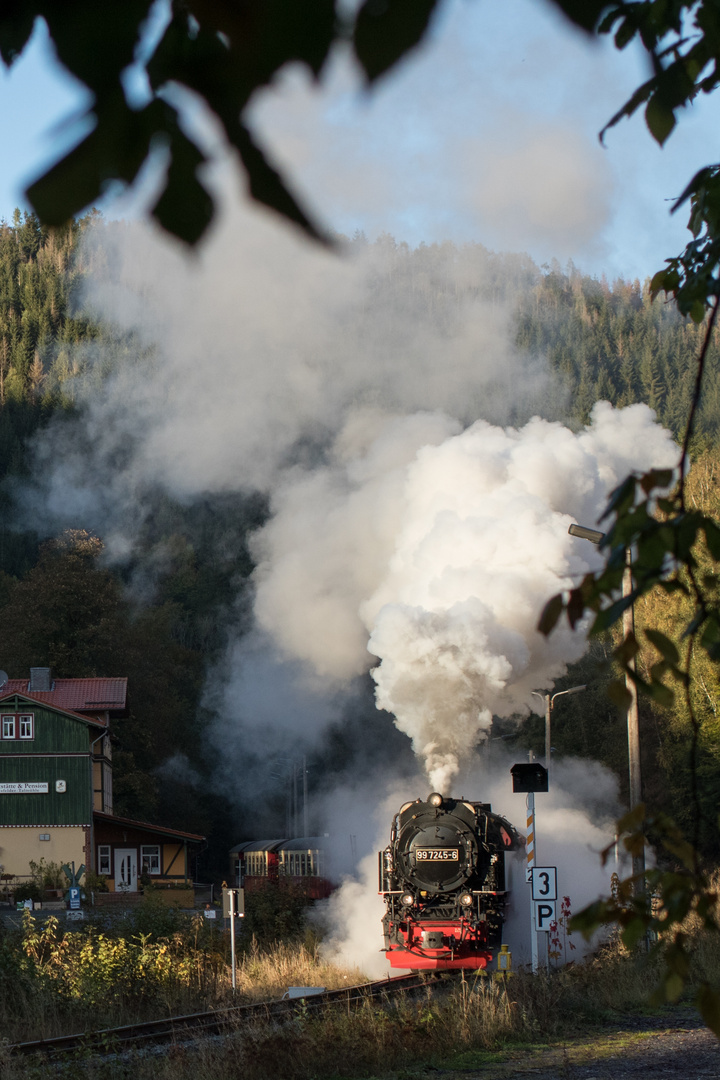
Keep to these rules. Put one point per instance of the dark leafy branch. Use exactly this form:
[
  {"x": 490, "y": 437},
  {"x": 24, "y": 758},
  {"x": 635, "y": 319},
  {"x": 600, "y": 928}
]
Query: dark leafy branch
[
  {"x": 224, "y": 51},
  {"x": 665, "y": 539},
  {"x": 682, "y": 893}
]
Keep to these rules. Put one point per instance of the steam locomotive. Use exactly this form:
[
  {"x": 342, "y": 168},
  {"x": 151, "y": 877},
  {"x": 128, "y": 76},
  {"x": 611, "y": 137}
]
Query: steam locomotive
[{"x": 443, "y": 879}]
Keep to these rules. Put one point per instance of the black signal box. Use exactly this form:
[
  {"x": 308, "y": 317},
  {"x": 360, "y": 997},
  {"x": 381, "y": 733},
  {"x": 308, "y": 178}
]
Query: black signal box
[{"x": 529, "y": 776}]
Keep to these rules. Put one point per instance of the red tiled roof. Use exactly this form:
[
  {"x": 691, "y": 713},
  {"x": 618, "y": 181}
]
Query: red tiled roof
[
  {"x": 47, "y": 699},
  {"x": 76, "y": 695}
]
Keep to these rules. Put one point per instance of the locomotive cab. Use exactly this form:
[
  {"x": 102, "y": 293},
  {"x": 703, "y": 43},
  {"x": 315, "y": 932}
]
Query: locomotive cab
[{"x": 443, "y": 880}]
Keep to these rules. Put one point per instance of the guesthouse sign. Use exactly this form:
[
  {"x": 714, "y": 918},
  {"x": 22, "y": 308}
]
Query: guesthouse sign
[{"x": 24, "y": 787}]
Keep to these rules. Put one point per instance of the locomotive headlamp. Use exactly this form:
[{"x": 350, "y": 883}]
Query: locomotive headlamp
[
  {"x": 466, "y": 899},
  {"x": 407, "y": 899},
  {"x": 435, "y": 799}
]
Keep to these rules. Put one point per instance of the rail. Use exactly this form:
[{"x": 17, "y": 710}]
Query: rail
[{"x": 218, "y": 1021}]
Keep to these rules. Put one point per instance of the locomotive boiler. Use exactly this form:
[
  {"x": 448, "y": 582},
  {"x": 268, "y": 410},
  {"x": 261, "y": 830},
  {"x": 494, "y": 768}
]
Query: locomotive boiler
[{"x": 443, "y": 880}]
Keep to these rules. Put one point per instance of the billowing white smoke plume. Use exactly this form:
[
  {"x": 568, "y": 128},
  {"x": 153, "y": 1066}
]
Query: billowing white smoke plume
[
  {"x": 434, "y": 550},
  {"x": 405, "y": 533}
]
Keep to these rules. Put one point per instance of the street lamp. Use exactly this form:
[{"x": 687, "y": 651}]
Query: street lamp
[
  {"x": 595, "y": 537},
  {"x": 548, "y": 699}
]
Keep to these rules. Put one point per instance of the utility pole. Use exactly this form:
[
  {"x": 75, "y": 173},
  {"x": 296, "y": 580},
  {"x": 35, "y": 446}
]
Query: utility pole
[
  {"x": 633, "y": 727},
  {"x": 633, "y": 724}
]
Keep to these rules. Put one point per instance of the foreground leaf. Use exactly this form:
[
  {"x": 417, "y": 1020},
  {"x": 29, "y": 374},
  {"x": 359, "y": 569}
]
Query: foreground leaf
[{"x": 387, "y": 29}]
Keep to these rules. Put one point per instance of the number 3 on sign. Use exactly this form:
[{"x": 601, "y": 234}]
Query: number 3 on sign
[{"x": 543, "y": 881}]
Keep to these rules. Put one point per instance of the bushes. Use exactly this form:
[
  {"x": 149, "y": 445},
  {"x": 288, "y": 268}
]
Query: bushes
[
  {"x": 51, "y": 979},
  {"x": 276, "y": 913},
  {"x": 47, "y": 875},
  {"x": 28, "y": 890}
]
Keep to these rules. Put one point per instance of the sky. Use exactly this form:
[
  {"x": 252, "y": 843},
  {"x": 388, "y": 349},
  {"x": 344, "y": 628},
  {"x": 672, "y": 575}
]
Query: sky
[{"x": 489, "y": 134}]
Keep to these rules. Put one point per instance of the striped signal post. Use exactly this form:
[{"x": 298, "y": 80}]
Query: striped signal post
[
  {"x": 530, "y": 861},
  {"x": 528, "y": 778},
  {"x": 530, "y": 837}
]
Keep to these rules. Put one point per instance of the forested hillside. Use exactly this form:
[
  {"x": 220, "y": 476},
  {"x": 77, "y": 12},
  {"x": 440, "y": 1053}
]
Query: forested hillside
[{"x": 62, "y": 604}]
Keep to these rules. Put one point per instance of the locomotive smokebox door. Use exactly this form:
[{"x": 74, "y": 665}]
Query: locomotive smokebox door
[{"x": 530, "y": 776}]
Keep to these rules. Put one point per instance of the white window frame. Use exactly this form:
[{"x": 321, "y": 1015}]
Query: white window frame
[
  {"x": 104, "y": 860},
  {"x": 8, "y": 725},
  {"x": 26, "y": 726},
  {"x": 152, "y": 853}
]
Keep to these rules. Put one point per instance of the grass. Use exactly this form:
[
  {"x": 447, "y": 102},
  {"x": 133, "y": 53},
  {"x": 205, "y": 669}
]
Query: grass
[
  {"x": 105, "y": 975},
  {"x": 475, "y": 1024},
  {"x": 266, "y": 973}
]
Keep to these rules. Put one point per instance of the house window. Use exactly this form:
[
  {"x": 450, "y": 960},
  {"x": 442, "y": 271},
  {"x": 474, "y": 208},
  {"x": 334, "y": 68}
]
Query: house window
[
  {"x": 104, "y": 860},
  {"x": 150, "y": 858},
  {"x": 18, "y": 727}
]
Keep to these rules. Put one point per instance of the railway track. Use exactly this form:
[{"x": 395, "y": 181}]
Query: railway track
[{"x": 219, "y": 1021}]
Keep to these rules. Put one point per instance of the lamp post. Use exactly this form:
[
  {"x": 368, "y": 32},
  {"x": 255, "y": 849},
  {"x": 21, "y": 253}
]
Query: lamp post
[
  {"x": 633, "y": 727},
  {"x": 549, "y": 700},
  {"x": 296, "y": 770}
]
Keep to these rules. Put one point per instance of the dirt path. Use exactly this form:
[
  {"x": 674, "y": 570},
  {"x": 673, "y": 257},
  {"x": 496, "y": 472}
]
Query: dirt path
[{"x": 676, "y": 1047}]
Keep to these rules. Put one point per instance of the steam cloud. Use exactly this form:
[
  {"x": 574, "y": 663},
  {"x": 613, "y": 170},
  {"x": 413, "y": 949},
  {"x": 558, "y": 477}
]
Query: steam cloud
[
  {"x": 435, "y": 549},
  {"x": 403, "y": 528}
]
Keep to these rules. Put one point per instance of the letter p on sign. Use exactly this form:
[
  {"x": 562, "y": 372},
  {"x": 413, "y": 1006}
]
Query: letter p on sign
[{"x": 544, "y": 914}]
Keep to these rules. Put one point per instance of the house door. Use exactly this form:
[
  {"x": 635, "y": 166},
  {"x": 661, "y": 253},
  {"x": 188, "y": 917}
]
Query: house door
[{"x": 126, "y": 869}]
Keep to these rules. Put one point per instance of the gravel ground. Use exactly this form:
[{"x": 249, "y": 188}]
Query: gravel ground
[{"x": 676, "y": 1046}]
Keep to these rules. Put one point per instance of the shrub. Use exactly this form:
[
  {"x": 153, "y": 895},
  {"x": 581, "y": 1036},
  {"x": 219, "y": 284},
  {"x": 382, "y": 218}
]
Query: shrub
[
  {"x": 48, "y": 875},
  {"x": 276, "y": 913},
  {"x": 28, "y": 890},
  {"x": 95, "y": 883}
]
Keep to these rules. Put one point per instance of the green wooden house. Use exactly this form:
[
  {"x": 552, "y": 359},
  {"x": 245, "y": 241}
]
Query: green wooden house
[{"x": 56, "y": 786}]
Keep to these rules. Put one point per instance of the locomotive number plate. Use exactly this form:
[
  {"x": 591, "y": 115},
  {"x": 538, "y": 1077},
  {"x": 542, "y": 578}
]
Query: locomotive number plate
[{"x": 437, "y": 854}]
